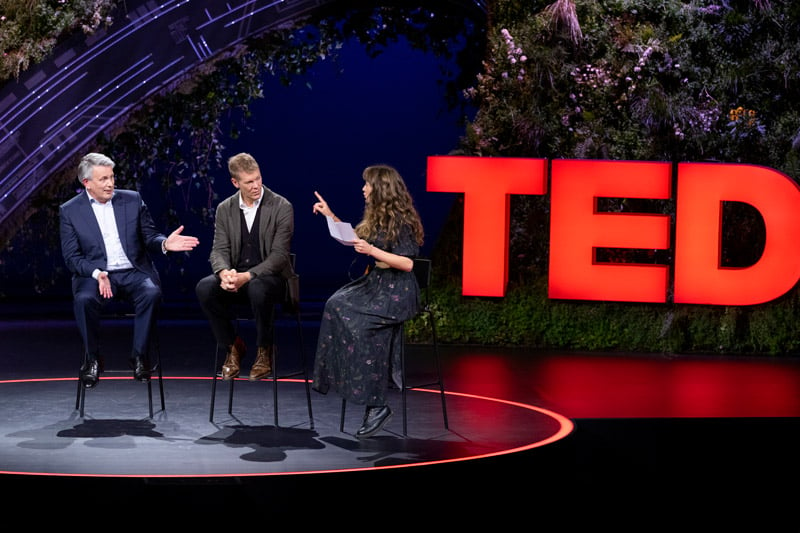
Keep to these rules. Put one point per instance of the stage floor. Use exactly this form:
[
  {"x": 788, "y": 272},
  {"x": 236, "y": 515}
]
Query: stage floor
[
  {"x": 587, "y": 440},
  {"x": 42, "y": 433}
]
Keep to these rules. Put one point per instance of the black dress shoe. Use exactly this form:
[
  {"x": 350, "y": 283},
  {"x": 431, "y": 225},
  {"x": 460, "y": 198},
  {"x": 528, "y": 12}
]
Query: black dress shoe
[
  {"x": 141, "y": 368},
  {"x": 90, "y": 373},
  {"x": 374, "y": 420}
]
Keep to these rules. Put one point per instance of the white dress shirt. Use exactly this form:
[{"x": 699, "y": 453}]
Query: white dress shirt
[
  {"x": 249, "y": 212},
  {"x": 117, "y": 260}
]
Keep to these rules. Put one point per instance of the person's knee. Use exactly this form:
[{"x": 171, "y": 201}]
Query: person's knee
[
  {"x": 260, "y": 299},
  {"x": 150, "y": 298},
  {"x": 153, "y": 294},
  {"x": 204, "y": 288},
  {"x": 84, "y": 300},
  {"x": 265, "y": 290},
  {"x": 146, "y": 293}
]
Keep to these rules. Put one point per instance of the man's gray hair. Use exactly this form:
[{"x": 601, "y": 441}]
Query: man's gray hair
[{"x": 89, "y": 161}]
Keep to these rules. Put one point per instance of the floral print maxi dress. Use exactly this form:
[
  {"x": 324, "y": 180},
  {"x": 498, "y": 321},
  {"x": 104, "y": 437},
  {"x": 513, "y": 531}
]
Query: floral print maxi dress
[{"x": 358, "y": 343}]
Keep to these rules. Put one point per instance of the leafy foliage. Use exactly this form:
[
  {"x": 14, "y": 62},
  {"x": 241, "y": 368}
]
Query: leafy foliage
[
  {"x": 30, "y": 29},
  {"x": 667, "y": 80},
  {"x": 619, "y": 79},
  {"x": 525, "y": 317}
]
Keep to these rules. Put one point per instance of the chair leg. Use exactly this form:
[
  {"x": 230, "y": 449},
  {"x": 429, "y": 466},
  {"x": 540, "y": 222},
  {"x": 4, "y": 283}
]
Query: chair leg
[
  {"x": 213, "y": 397},
  {"x": 81, "y": 392},
  {"x": 230, "y": 396},
  {"x": 160, "y": 376},
  {"x": 341, "y": 419},
  {"x": 161, "y": 387},
  {"x": 80, "y": 385},
  {"x": 213, "y": 384},
  {"x": 305, "y": 369},
  {"x": 274, "y": 384},
  {"x": 439, "y": 371},
  {"x": 81, "y": 400},
  {"x": 214, "y": 378},
  {"x": 155, "y": 349},
  {"x": 403, "y": 387},
  {"x": 150, "y": 397}
]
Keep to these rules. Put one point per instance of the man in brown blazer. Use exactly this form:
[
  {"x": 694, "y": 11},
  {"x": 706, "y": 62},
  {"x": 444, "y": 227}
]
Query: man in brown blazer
[{"x": 250, "y": 263}]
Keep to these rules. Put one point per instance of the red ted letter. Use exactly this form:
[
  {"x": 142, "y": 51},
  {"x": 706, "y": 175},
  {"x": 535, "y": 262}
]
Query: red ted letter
[
  {"x": 699, "y": 278},
  {"x": 486, "y": 184},
  {"x": 577, "y": 229}
]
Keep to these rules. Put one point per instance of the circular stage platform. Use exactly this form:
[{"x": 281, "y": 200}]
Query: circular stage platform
[{"x": 42, "y": 433}]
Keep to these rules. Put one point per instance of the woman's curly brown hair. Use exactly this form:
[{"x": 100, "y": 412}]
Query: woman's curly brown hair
[{"x": 388, "y": 207}]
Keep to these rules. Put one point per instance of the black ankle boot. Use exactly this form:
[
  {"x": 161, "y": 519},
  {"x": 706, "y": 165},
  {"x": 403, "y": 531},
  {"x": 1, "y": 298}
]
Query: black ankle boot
[
  {"x": 141, "y": 367},
  {"x": 374, "y": 420}
]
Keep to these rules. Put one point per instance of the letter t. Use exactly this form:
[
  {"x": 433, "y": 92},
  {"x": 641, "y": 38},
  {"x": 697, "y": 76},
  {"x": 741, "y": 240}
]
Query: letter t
[{"x": 487, "y": 184}]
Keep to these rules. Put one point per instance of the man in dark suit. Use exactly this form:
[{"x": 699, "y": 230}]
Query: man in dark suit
[
  {"x": 106, "y": 236},
  {"x": 250, "y": 262}
]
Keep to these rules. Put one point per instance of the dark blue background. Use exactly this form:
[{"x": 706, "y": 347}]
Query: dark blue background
[
  {"x": 317, "y": 133},
  {"x": 321, "y": 131}
]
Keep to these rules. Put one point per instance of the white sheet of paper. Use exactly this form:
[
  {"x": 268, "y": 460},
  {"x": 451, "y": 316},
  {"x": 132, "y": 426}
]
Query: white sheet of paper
[{"x": 341, "y": 231}]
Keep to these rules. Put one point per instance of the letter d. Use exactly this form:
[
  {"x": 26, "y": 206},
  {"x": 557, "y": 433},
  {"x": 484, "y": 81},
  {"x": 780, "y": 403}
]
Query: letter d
[{"x": 699, "y": 276}]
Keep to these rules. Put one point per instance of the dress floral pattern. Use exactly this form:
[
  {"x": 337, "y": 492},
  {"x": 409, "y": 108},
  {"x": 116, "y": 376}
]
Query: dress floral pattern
[{"x": 358, "y": 344}]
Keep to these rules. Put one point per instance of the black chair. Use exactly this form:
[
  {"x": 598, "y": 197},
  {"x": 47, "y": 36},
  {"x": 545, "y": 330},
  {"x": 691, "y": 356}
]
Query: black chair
[
  {"x": 289, "y": 306},
  {"x": 154, "y": 356},
  {"x": 422, "y": 271}
]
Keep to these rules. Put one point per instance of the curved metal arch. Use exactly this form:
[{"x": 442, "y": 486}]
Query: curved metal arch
[{"x": 92, "y": 82}]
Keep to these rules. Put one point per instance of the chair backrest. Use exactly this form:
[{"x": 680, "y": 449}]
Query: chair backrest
[
  {"x": 291, "y": 299},
  {"x": 422, "y": 270}
]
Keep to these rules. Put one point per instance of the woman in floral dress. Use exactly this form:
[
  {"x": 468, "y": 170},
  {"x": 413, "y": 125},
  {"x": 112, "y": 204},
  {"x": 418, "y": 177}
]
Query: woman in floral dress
[{"x": 358, "y": 346}]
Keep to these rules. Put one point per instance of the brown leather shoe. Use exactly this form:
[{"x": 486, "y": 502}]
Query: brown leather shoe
[
  {"x": 263, "y": 365},
  {"x": 233, "y": 360}
]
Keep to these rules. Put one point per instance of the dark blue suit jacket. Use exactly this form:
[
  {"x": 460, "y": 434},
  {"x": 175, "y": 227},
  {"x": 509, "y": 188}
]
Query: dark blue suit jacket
[{"x": 82, "y": 242}]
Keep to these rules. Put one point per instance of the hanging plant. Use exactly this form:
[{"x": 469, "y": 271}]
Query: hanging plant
[{"x": 30, "y": 29}]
